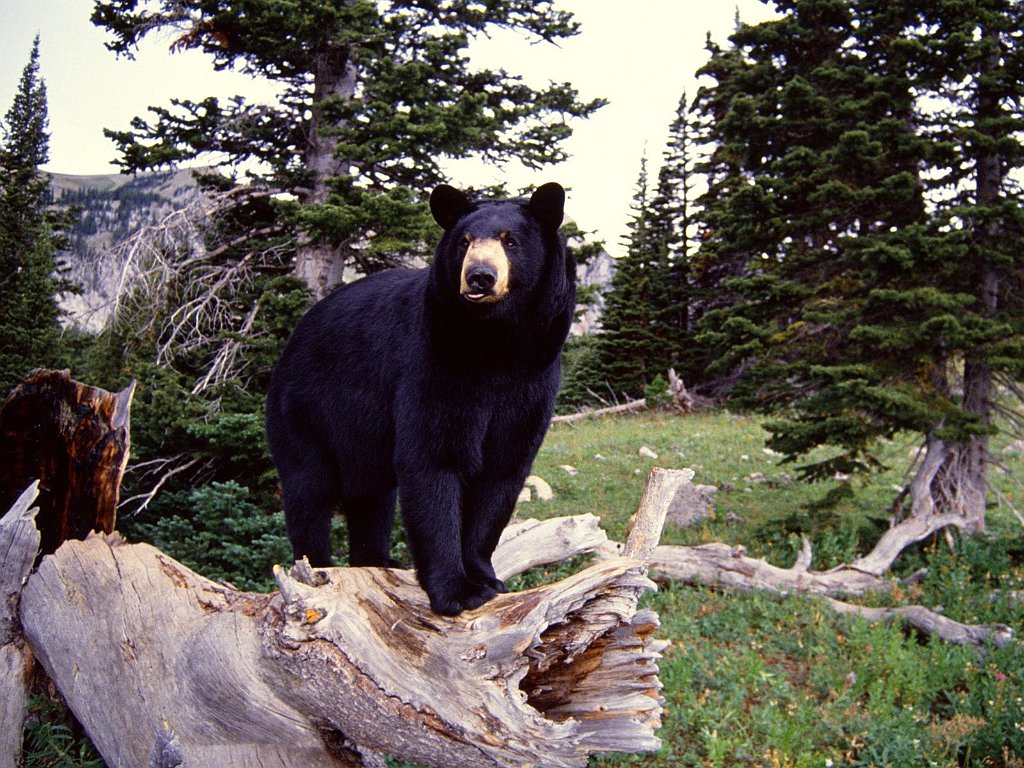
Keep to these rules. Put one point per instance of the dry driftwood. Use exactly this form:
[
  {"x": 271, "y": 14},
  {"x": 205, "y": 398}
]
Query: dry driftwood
[
  {"x": 725, "y": 567},
  {"x": 632, "y": 405},
  {"x": 529, "y": 543},
  {"x": 73, "y": 439},
  {"x": 164, "y": 667},
  {"x": 19, "y": 543}
]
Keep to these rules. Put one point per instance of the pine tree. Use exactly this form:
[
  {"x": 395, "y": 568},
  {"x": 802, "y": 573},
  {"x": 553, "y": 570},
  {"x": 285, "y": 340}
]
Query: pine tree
[
  {"x": 375, "y": 96},
  {"x": 628, "y": 342},
  {"x": 860, "y": 222},
  {"x": 646, "y": 324},
  {"x": 29, "y": 280},
  {"x": 674, "y": 222}
]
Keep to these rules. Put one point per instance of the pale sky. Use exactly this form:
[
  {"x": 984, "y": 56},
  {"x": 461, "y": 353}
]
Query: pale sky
[{"x": 639, "y": 55}]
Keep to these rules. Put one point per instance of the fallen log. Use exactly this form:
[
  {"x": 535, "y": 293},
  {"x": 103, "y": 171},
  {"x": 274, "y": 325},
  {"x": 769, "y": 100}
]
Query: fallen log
[
  {"x": 728, "y": 568},
  {"x": 164, "y": 667},
  {"x": 19, "y": 543}
]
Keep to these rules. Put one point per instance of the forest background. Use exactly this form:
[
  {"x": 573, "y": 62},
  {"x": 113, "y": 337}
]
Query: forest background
[{"x": 831, "y": 240}]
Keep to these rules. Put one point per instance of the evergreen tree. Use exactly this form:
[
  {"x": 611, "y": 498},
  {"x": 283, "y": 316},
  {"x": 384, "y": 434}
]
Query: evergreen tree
[
  {"x": 860, "y": 221},
  {"x": 375, "y": 95},
  {"x": 628, "y": 342},
  {"x": 29, "y": 280},
  {"x": 646, "y": 322},
  {"x": 674, "y": 220}
]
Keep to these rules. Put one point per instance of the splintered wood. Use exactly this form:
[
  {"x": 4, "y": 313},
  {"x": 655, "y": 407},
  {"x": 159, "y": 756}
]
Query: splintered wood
[
  {"x": 343, "y": 664},
  {"x": 73, "y": 440}
]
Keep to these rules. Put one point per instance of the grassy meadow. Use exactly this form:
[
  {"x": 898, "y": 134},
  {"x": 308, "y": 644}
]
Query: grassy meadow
[{"x": 755, "y": 680}]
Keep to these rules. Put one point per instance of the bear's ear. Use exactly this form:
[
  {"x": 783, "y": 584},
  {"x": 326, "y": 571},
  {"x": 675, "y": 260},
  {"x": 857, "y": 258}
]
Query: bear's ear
[
  {"x": 448, "y": 205},
  {"x": 547, "y": 205}
]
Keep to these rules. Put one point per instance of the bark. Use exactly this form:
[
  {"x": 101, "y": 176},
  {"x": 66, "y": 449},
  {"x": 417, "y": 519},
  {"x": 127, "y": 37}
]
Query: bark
[
  {"x": 73, "y": 439},
  {"x": 162, "y": 665},
  {"x": 320, "y": 265},
  {"x": 19, "y": 543}
]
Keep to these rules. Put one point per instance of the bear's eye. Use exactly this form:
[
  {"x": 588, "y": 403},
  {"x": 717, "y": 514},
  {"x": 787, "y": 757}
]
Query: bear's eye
[
  {"x": 509, "y": 241},
  {"x": 466, "y": 240}
]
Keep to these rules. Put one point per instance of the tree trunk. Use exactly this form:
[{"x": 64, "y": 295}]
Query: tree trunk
[
  {"x": 164, "y": 667},
  {"x": 961, "y": 484},
  {"x": 319, "y": 264}
]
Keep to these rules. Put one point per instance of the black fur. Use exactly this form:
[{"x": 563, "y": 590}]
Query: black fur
[{"x": 398, "y": 385}]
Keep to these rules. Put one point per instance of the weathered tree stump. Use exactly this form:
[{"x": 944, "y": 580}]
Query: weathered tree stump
[{"x": 73, "y": 440}]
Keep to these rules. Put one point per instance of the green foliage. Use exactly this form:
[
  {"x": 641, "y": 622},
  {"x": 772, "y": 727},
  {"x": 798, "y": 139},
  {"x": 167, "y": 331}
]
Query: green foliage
[
  {"x": 646, "y": 323},
  {"x": 580, "y": 371},
  {"x": 221, "y": 533},
  {"x": 375, "y": 96},
  {"x": 49, "y": 742},
  {"x": 657, "y": 394},
  {"x": 856, "y": 261}
]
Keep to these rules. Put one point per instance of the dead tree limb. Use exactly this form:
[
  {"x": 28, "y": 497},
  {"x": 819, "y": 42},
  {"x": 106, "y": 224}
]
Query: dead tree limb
[
  {"x": 928, "y": 622},
  {"x": 725, "y": 567},
  {"x": 19, "y": 543},
  {"x": 633, "y": 405},
  {"x": 728, "y": 568},
  {"x": 529, "y": 543},
  {"x": 345, "y": 663}
]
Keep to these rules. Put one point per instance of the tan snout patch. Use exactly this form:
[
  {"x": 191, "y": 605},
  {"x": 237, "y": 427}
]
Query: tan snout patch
[{"x": 487, "y": 251}]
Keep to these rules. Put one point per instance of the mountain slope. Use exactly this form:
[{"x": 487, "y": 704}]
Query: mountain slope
[{"x": 111, "y": 208}]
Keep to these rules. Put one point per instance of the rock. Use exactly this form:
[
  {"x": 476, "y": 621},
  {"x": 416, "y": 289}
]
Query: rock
[
  {"x": 1015, "y": 448},
  {"x": 524, "y": 496},
  {"x": 570, "y": 470},
  {"x": 692, "y": 503},
  {"x": 647, "y": 453},
  {"x": 540, "y": 487}
]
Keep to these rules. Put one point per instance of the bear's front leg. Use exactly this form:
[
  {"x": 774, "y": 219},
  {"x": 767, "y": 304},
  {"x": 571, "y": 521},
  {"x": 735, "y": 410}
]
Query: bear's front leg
[
  {"x": 487, "y": 507},
  {"x": 431, "y": 504}
]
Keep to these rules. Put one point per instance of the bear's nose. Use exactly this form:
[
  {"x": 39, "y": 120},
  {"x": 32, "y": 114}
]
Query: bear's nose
[{"x": 481, "y": 278}]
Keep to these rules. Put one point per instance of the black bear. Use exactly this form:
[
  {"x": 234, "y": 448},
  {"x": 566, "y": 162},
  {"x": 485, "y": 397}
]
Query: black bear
[{"x": 433, "y": 386}]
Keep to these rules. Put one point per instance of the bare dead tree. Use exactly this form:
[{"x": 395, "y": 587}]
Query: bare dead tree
[{"x": 177, "y": 286}]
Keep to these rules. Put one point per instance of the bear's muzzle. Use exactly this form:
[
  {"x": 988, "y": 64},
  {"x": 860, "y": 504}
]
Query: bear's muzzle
[{"x": 485, "y": 272}]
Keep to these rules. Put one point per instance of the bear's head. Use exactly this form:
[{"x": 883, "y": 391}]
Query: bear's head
[{"x": 497, "y": 249}]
